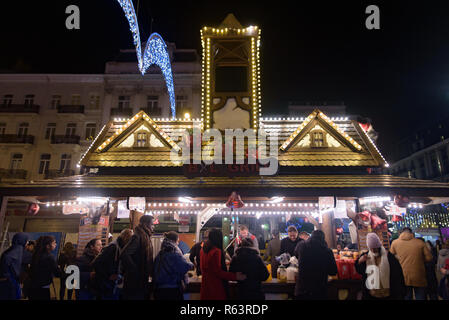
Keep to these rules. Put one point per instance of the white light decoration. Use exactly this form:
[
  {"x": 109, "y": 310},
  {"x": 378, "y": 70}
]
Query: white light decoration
[{"x": 155, "y": 51}]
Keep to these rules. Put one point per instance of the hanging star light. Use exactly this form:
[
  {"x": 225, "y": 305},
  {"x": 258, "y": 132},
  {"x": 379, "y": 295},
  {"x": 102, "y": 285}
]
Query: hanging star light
[{"x": 155, "y": 52}]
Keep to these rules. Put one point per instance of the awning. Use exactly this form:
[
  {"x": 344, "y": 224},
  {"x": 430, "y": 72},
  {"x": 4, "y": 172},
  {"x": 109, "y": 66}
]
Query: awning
[{"x": 170, "y": 185}]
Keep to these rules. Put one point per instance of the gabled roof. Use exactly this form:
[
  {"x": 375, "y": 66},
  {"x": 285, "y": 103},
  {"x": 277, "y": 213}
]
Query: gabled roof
[
  {"x": 110, "y": 149},
  {"x": 231, "y": 22},
  {"x": 350, "y": 147}
]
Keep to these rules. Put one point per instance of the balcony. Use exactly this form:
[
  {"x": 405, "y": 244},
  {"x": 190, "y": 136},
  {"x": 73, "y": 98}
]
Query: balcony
[
  {"x": 13, "y": 174},
  {"x": 71, "y": 108},
  {"x": 152, "y": 112},
  {"x": 13, "y": 138},
  {"x": 62, "y": 139},
  {"x": 121, "y": 112},
  {"x": 19, "y": 108},
  {"x": 50, "y": 174}
]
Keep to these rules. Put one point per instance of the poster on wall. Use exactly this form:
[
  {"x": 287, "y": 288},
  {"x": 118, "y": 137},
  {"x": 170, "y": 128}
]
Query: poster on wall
[
  {"x": 137, "y": 203},
  {"x": 122, "y": 210},
  {"x": 340, "y": 210}
]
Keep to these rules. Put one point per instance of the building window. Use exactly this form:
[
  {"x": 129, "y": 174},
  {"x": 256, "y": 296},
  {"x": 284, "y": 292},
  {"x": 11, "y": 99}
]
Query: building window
[
  {"x": 2, "y": 128},
  {"x": 123, "y": 102},
  {"x": 23, "y": 129},
  {"x": 70, "y": 130},
  {"x": 50, "y": 130},
  {"x": 90, "y": 131},
  {"x": 317, "y": 139},
  {"x": 65, "y": 162},
  {"x": 55, "y": 101},
  {"x": 141, "y": 139},
  {"x": 16, "y": 162},
  {"x": 29, "y": 99},
  {"x": 94, "y": 102},
  {"x": 181, "y": 105},
  {"x": 44, "y": 165},
  {"x": 76, "y": 100},
  {"x": 7, "y": 99}
]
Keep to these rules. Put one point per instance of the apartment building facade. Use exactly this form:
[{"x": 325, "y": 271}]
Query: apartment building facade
[{"x": 47, "y": 121}]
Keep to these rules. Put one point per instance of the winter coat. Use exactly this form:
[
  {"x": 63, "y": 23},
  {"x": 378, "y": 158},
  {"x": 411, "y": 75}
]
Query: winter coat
[
  {"x": 443, "y": 256},
  {"x": 11, "y": 268},
  {"x": 105, "y": 265},
  {"x": 397, "y": 284},
  {"x": 315, "y": 263},
  {"x": 412, "y": 253},
  {"x": 11, "y": 260},
  {"x": 195, "y": 256},
  {"x": 288, "y": 246},
  {"x": 248, "y": 261},
  {"x": 84, "y": 263},
  {"x": 137, "y": 267},
  {"x": 213, "y": 275},
  {"x": 43, "y": 270},
  {"x": 170, "y": 266}
]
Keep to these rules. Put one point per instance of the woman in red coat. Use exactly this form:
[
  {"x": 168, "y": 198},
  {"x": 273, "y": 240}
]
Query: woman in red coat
[{"x": 213, "y": 269}]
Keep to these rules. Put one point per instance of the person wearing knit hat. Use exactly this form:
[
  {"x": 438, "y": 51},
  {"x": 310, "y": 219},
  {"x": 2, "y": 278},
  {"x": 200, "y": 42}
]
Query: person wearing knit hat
[{"x": 381, "y": 272}]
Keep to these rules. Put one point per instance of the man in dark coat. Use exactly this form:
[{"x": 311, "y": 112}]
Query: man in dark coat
[
  {"x": 316, "y": 263},
  {"x": 396, "y": 285},
  {"x": 11, "y": 267},
  {"x": 137, "y": 261},
  {"x": 248, "y": 261},
  {"x": 289, "y": 244},
  {"x": 195, "y": 251}
]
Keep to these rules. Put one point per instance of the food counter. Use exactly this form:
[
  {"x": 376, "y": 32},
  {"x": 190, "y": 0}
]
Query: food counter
[{"x": 275, "y": 290}]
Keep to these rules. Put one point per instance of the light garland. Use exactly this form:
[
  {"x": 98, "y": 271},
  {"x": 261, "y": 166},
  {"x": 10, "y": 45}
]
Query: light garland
[
  {"x": 372, "y": 143},
  {"x": 307, "y": 120},
  {"x": 155, "y": 52},
  {"x": 130, "y": 122},
  {"x": 93, "y": 142}
]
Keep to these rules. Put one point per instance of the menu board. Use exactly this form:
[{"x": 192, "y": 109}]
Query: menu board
[
  {"x": 362, "y": 232},
  {"x": 89, "y": 231}
]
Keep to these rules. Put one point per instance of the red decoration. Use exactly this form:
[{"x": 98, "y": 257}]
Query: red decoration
[
  {"x": 367, "y": 218},
  {"x": 33, "y": 209},
  {"x": 234, "y": 201},
  {"x": 396, "y": 218}
]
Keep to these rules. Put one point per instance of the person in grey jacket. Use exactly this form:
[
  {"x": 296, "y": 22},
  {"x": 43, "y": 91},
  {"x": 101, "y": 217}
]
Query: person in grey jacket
[
  {"x": 442, "y": 257},
  {"x": 273, "y": 250}
]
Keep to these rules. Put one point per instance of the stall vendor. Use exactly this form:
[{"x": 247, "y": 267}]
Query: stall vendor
[
  {"x": 288, "y": 245},
  {"x": 245, "y": 234}
]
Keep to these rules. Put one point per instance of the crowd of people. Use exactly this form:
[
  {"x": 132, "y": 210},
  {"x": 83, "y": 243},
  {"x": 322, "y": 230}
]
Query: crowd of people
[{"x": 125, "y": 268}]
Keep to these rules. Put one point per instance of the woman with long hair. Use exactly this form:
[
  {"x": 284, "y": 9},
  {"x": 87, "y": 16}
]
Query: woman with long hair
[
  {"x": 215, "y": 276},
  {"x": 43, "y": 268}
]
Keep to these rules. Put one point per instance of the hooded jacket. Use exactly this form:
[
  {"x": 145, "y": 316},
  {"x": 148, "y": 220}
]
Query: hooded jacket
[
  {"x": 248, "y": 261},
  {"x": 11, "y": 260},
  {"x": 170, "y": 266},
  {"x": 442, "y": 258},
  {"x": 412, "y": 254}
]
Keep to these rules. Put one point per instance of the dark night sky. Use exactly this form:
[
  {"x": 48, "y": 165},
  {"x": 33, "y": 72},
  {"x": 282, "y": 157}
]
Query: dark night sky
[{"x": 311, "y": 50}]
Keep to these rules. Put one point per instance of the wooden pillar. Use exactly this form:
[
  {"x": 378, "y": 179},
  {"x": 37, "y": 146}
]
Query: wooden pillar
[
  {"x": 3, "y": 206},
  {"x": 328, "y": 227}
]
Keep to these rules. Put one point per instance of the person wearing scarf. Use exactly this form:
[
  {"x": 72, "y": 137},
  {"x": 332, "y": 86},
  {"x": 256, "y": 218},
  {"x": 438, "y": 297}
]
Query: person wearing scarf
[
  {"x": 137, "y": 261},
  {"x": 170, "y": 269},
  {"x": 11, "y": 267},
  {"x": 87, "y": 289},
  {"x": 381, "y": 272}
]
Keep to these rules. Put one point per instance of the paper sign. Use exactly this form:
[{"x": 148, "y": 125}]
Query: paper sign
[
  {"x": 75, "y": 209},
  {"x": 123, "y": 212},
  {"x": 137, "y": 203},
  {"x": 340, "y": 210}
]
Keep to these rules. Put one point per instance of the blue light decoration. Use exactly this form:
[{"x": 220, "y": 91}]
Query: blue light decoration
[{"x": 155, "y": 52}]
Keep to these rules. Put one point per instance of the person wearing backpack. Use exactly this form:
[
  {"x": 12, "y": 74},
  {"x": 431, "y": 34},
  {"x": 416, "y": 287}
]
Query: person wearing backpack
[
  {"x": 170, "y": 268},
  {"x": 107, "y": 267}
]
